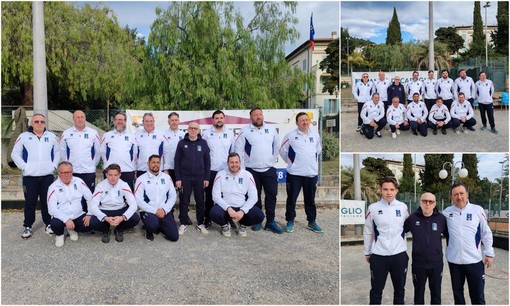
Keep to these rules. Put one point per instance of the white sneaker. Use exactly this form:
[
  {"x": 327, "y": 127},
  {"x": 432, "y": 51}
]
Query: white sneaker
[
  {"x": 182, "y": 229},
  {"x": 394, "y": 135},
  {"x": 241, "y": 230},
  {"x": 59, "y": 241},
  {"x": 457, "y": 131},
  {"x": 201, "y": 228},
  {"x": 398, "y": 132},
  {"x": 225, "y": 230},
  {"x": 358, "y": 128},
  {"x": 464, "y": 130},
  {"x": 27, "y": 233},
  {"x": 73, "y": 234},
  {"x": 48, "y": 230}
]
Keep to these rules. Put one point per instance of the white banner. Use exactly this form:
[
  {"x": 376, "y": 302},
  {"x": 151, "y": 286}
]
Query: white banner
[
  {"x": 284, "y": 121},
  {"x": 405, "y": 76},
  {"x": 352, "y": 212}
]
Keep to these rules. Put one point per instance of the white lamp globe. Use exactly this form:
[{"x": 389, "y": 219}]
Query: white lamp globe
[
  {"x": 463, "y": 172},
  {"x": 443, "y": 174}
]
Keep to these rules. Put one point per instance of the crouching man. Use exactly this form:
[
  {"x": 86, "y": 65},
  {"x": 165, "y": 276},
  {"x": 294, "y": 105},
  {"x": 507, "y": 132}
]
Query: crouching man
[
  {"x": 235, "y": 194},
  {"x": 64, "y": 204},
  {"x": 155, "y": 196},
  {"x": 113, "y": 205}
]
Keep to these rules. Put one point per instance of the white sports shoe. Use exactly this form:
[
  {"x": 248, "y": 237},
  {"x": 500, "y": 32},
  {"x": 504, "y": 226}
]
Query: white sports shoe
[
  {"x": 225, "y": 230},
  {"x": 59, "y": 241},
  {"x": 398, "y": 132},
  {"x": 182, "y": 229},
  {"x": 48, "y": 230},
  {"x": 394, "y": 135},
  {"x": 73, "y": 234},
  {"x": 201, "y": 228}
]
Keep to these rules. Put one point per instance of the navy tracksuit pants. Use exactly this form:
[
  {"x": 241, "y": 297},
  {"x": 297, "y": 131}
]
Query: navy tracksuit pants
[
  {"x": 402, "y": 127},
  {"x": 269, "y": 181},
  {"x": 368, "y": 130},
  {"x": 209, "y": 203},
  {"x": 35, "y": 187},
  {"x": 294, "y": 185},
  {"x": 421, "y": 128},
  {"x": 166, "y": 225},
  {"x": 475, "y": 275},
  {"x": 429, "y": 103},
  {"x": 104, "y": 227},
  {"x": 420, "y": 276},
  {"x": 197, "y": 187},
  {"x": 221, "y": 217},
  {"x": 435, "y": 127},
  {"x": 380, "y": 266},
  {"x": 58, "y": 225},
  {"x": 469, "y": 123},
  {"x": 489, "y": 109}
]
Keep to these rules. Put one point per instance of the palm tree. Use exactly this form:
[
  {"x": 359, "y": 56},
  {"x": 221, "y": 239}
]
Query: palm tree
[
  {"x": 369, "y": 185},
  {"x": 420, "y": 56}
]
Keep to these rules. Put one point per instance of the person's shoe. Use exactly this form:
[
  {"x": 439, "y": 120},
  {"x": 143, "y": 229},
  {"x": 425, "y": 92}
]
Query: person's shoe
[
  {"x": 207, "y": 223},
  {"x": 105, "y": 238},
  {"x": 398, "y": 132},
  {"x": 378, "y": 134},
  {"x": 457, "y": 130},
  {"x": 256, "y": 227},
  {"x": 73, "y": 234},
  {"x": 494, "y": 131},
  {"x": 273, "y": 227},
  {"x": 362, "y": 131},
  {"x": 443, "y": 130},
  {"x": 415, "y": 133},
  {"x": 470, "y": 128},
  {"x": 464, "y": 130},
  {"x": 225, "y": 230},
  {"x": 241, "y": 230},
  {"x": 149, "y": 236},
  {"x": 48, "y": 230},
  {"x": 483, "y": 128},
  {"x": 27, "y": 233},
  {"x": 119, "y": 235},
  {"x": 358, "y": 128},
  {"x": 289, "y": 228},
  {"x": 434, "y": 132},
  {"x": 314, "y": 227},
  {"x": 201, "y": 228},
  {"x": 182, "y": 229},
  {"x": 393, "y": 135},
  {"x": 59, "y": 241}
]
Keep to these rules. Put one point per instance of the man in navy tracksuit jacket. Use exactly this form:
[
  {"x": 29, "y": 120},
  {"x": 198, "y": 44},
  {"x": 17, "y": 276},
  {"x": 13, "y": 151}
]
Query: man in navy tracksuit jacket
[
  {"x": 192, "y": 172},
  {"x": 427, "y": 225}
]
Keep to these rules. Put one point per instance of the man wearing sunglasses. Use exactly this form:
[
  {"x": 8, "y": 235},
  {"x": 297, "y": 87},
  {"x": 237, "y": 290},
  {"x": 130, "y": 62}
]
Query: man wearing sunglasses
[{"x": 36, "y": 153}]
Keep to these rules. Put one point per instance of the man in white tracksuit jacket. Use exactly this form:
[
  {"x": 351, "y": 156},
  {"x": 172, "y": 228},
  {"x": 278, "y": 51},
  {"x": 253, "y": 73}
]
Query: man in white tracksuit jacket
[{"x": 467, "y": 228}]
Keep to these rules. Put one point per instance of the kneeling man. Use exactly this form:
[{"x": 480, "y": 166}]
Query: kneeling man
[
  {"x": 155, "y": 196},
  {"x": 235, "y": 194}
]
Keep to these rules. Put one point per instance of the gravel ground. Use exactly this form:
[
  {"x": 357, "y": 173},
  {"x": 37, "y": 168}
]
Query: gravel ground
[
  {"x": 355, "y": 280},
  {"x": 476, "y": 141},
  {"x": 264, "y": 268}
]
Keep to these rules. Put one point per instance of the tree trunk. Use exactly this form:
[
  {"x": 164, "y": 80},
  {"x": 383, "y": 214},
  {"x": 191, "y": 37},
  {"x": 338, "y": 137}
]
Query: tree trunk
[{"x": 27, "y": 94}]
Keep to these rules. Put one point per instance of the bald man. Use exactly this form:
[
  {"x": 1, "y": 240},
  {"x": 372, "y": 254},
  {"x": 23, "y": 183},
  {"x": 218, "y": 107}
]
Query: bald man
[{"x": 427, "y": 225}]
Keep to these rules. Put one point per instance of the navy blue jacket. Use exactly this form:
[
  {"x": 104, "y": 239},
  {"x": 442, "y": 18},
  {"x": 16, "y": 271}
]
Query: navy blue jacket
[
  {"x": 192, "y": 160},
  {"x": 396, "y": 91},
  {"x": 427, "y": 244}
]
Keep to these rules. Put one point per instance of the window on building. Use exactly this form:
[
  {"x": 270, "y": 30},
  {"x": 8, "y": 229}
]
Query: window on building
[
  {"x": 331, "y": 106},
  {"x": 304, "y": 66}
]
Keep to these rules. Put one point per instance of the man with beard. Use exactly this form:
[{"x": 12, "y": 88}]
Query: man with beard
[
  {"x": 373, "y": 117},
  {"x": 150, "y": 141},
  {"x": 119, "y": 146},
  {"x": 484, "y": 92},
  {"x": 396, "y": 117},
  {"x": 414, "y": 86},
  {"x": 155, "y": 196},
  {"x": 439, "y": 117},
  {"x": 173, "y": 135},
  {"x": 444, "y": 89},
  {"x": 258, "y": 145},
  {"x": 220, "y": 140},
  {"x": 429, "y": 90},
  {"x": 362, "y": 92},
  {"x": 417, "y": 115},
  {"x": 381, "y": 87},
  {"x": 466, "y": 85},
  {"x": 462, "y": 114}
]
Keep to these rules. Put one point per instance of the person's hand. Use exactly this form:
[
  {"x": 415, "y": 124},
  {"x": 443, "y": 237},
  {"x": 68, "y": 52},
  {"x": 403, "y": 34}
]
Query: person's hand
[
  {"x": 406, "y": 122},
  {"x": 206, "y": 183},
  {"x": 419, "y": 121},
  {"x": 372, "y": 123},
  {"x": 160, "y": 213},
  {"x": 239, "y": 215},
  {"x": 488, "y": 261},
  {"x": 367, "y": 258},
  {"x": 86, "y": 220},
  {"x": 70, "y": 224},
  {"x": 231, "y": 213},
  {"x": 397, "y": 126},
  {"x": 463, "y": 119},
  {"x": 178, "y": 184},
  {"x": 440, "y": 123}
]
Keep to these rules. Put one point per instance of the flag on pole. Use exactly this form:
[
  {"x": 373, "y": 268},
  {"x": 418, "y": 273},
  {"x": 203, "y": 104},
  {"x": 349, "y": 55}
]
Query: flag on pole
[{"x": 312, "y": 32}]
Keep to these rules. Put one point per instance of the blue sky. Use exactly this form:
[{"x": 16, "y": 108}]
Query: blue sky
[
  {"x": 488, "y": 163},
  {"x": 370, "y": 19},
  {"x": 140, "y": 15}
]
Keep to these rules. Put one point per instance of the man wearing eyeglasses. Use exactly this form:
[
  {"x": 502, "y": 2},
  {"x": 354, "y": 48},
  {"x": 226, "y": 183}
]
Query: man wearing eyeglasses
[
  {"x": 150, "y": 141},
  {"x": 36, "y": 153},
  {"x": 362, "y": 92},
  {"x": 427, "y": 225}
]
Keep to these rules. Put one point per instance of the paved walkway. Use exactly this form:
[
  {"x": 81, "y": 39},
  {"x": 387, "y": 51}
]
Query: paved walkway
[
  {"x": 476, "y": 141},
  {"x": 355, "y": 280},
  {"x": 263, "y": 268}
]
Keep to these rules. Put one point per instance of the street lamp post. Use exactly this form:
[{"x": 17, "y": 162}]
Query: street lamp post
[
  {"x": 501, "y": 187},
  {"x": 487, "y": 5},
  {"x": 444, "y": 173},
  {"x": 348, "y": 71}
]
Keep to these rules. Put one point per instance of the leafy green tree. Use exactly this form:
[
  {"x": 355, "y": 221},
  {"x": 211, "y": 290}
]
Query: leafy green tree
[
  {"x": 449, "y": 37},
  {"x": 429, "y": 177},
  {"x": 500, "y": 36},
  {"x": 393, "y": 35},
  {"x": 331, "y": 64},
  {"x": 377, "y": 166},
  {"x": 202, "y": 56},
  {"x": 472, "y": 181},
  {"x": 369, "y": 185},
  {"x": 420, "y": 56},
  {"x": 330, "y": 147},
  {"x": 477, "y": 46},
  {"x": 406, "y": 183}
]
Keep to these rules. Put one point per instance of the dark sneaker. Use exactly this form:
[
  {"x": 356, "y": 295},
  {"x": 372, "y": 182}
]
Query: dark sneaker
[
  {"x": 119, "y": 235},
  {"x": 105, "y": 238},
  {"x": 494, "y": 131},
  {"x": 27, "y": 233},
  {"x": 273, "y": 227},
  {"x": 378, "y": 134},
  {"x": 207, "y": 223},
  {"x": 443, "y": 131},
  {"x": 434, "y": 132},
  {"x": 290, "y": 227},
  {"x": 415, "y": 133},
  {"x": 256, "y": 227},
  {"x": 483, "y": 128},
  {"x": 48, "y": 230},
  {"x": 314, "y": 227},
  {"x": 149, "y": 236},
  {"x": 470, "y": 128}
]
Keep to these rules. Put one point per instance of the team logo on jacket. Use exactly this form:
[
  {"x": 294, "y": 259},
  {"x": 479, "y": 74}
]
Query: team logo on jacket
[
  {"x": 199, "y": 148},
  {"x": 86, "y": 136},
  {"x": 434, "y": 226},
  {"x": 60, "y": 190},
  {"x": 46, "y": 139},
  {"x": 153, "y": 136},
  {"x": 75, "y": 187},
  {"x": 148, "y": 182},
  {"x": 311, "y": 139},
  {"x": 397, "y": 212},
  {"x": 163, "y": 181},
  {"x": 296, "y": 138},
  {"x": 266, "y": 131},
  {"x": 417, "y": 223},
  {"x": 240, "y": 180},
  {"x": 126, "y": 138},
  {"x": 118, "y": 193},
  {"x": 469, "y": 217},
  {"x": 380, "y": 212},
  {"x": 224, "y": 135},
  {"x": 185, "y": 146}
]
